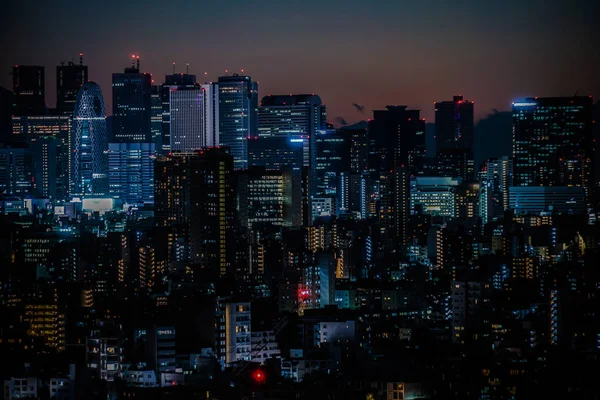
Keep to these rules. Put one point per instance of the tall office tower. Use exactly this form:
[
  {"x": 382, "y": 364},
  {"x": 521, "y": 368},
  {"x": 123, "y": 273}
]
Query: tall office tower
[
  {"x": 156, "y": 118},
  {"x": 238, "y": 104},
  {"x": 396, "y": 138},
  {"x": 553, "y": 142},
  {"x": 496, "y": 178},
  {"x": 189, "y": 128},
  {"x": 51, "y": 167},
  {"x": 193, "y": 192},
  {"x": 29, "y": 90},
  {"x": 69, "y": 78},
  {"x": 295, "y": 115},
  {"x": 132, "y": 106},
  {"x": 15, "y": 171},
  {"x": 454, "y": 138},
  {"x": 260, "y": 198},
  {"x": 89, "y": 144},
  {"x": 26, "y": 130},
  {"x": 131, "y": 172},
  {"x": 175, "y": 81},
  {"x": 359, "y": 152}
]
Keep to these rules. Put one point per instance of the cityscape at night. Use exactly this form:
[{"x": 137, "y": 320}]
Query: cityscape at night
[{"x": 328, "y": 200}]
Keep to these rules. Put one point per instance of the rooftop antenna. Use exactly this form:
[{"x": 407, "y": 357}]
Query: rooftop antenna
[
  {"x": 133, "y": 61},
  {"x": 187, "y": 68},
  {"x": 80, "y": 58},
  {"x": 226, "y": 73},
  {"x": 138, "y": 63},
  {"x": 173, "y": 67}
]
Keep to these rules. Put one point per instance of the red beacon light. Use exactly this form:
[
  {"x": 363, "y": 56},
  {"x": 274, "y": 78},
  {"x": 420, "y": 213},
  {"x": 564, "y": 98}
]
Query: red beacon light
[{"x": 259, "y": 376}]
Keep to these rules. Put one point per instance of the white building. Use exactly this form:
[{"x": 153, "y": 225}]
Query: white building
[
  {"x": 237, "y": 330},
  {"x": 264, "y": 346}
]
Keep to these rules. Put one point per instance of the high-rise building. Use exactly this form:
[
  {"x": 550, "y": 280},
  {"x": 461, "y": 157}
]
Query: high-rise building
[
  {"x": 51, "y": 168},
  {"x": 192, "y": 119},
  {"x": 396, "y": 138},
  {"x": 156, "y": 118},
  {"x": 194, "y": 193},
  {"x": 175, "y": 81},
  {"x": 553, "y": 142},
  {"x": 435, "y": 195},
  {"x": 15, "y": 171},
  {"x": 454, "y": 129},
  {"x": 6, "y": 113},
  {"x": 29, "y": 89},
  {"x": 132, "y": 106},
  {"x": 131, "y": 172},
  {"x": 295, "y": 115},
  {"x": 89, "y": 144},
  {"x": 69, "y": 78},
  {"x": 238, "y": 103}
]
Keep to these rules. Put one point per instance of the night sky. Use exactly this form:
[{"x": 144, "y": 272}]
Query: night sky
[{"x": 371, "y": 53}]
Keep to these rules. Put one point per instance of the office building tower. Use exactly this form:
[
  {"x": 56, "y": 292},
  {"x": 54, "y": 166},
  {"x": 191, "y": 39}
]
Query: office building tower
[
  {"x": 69, "y": 78},
  {"x": 51, "y": 168},
  {"x": 237, "y": 328},
  {"x": 89, "y": 144},
  {"x": 29, "y": 90},
  {"x": 454, "y": 129},
  {"x": 238, "y": 103},
  {"x": 435, "y": 195},
  {"x": 26, "y": 130},
  {"x": 331, "y": 157},
  {"x": 132, "y": 106},
  {"x": 188, "y": 111},
  {"x": 175, "y": 81},
  {"x": 553, "y": 143},
  {"x": 295, "y": 115},
  {"x": 277, "y": 152},
  {"x": 131, "y": 172},
  {"x": 260, "y": 198},
  {"x": 193, "y": 192},
  {"x": 156, "y": 118},
  {"x": 396, "y": 138},
  {"x": 15, "y": 171}
]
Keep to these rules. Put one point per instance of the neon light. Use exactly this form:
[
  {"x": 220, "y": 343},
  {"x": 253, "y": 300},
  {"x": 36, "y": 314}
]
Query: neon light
[
  {"x": 296, "y": 140},
  {"x": 524, "y": 104}
]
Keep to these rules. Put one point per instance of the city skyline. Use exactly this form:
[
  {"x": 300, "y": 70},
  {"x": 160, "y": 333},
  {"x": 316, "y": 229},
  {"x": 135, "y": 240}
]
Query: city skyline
[{"x": 502, "y": 55}]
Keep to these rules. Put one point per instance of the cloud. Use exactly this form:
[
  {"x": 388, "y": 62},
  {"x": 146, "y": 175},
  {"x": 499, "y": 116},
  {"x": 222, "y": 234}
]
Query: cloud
[
  {"x": 359, "y": 108},
  {"x": 341, "y": 121}
]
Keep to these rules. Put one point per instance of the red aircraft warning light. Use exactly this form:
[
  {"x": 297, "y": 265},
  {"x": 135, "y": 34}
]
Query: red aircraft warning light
[{"x": 259, "y": 376}]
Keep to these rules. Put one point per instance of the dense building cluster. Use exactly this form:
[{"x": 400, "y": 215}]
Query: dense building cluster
[{"x": 196, "y": 242}]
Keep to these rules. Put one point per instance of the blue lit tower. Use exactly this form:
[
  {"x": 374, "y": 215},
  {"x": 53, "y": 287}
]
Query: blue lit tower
[
  {"x": 89, "y": 144},
  {"x": 238, "y": 103}
]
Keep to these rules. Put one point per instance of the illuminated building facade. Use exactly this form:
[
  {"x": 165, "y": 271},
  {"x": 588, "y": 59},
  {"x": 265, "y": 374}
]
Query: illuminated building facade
[
  {"x": 553, "y": 143},
  {"x": 131, "y": 172},
  {"x": 238, "y": 103},
  {"x": 45, "y": 321},
  {"x": 195, "y": 192},
  {"x": 437, "y": 196},
  {"x": 156, "y": 115},
  {"x": 89, "y": 144},
  {"x": 15, "y": 171}
]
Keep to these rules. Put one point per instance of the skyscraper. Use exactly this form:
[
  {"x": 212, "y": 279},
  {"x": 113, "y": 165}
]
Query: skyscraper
[
  {"x": 156, "y": 118},
  {"x": 132, "y": 106},
  {"x": 69, "y": 78},
  {"x": 295, "y": 115},
  {"x": 454, "y": 129},
  {"x": 191, "y": 117},
  {"x": 15, "y": 171},
  {"x": 51, "y": 167},
  {"x": 194, "y": 192},
  {"x": 238, "y": 103},
  {"x": 29, "y": 89},
  {"x": 131, "y": 172},
  {"x": 89, "y": 144},
  {"x": 175, "y": 81},
  {"x": 553, "y": 143}
]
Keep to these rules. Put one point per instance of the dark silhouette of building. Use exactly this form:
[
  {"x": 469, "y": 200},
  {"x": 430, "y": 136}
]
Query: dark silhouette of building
[
  {"x": 454, "y": 129},
  {"x": 29, "y": 89},
  {"x": 132, "y": 105},
  {"x": 69, "y": 78}
]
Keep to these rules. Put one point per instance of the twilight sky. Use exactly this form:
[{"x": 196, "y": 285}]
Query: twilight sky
[{"x": 371, "y": 53}]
